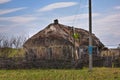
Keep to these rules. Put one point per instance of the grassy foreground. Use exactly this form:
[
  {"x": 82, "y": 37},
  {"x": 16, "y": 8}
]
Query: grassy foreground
[{"x": 53, "y": 74}]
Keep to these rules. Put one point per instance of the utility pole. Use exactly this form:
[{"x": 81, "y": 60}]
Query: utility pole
[
  {"x": 90, "y": 36},
  {"x": 119, "y": 49}
]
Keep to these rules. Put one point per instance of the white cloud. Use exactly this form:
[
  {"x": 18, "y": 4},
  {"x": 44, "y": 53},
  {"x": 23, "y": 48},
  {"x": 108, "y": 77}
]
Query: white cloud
[
  {"x": 57, "y": 5},
  {"x": 5, "y": 28},
  {"x": 18, "y": 19},
  {"x": 72, "y": 18},
  {"x": 110, "y": 21},
  {"x": 6, "y": 11},
  {"x": 117, "y": 7},
  {"x": 107, "y": 28},
  {"x": 18, "y": 25},
  {"x": 83, "y": 6},
  {"x": 4, "y": 1}
]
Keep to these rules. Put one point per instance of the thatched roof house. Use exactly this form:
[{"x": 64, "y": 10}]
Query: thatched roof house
[{"x": 57, "y": 41}]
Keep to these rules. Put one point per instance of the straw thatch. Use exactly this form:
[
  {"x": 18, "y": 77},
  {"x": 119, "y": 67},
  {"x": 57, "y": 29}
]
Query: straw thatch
[{"x": 57, "y": 41}]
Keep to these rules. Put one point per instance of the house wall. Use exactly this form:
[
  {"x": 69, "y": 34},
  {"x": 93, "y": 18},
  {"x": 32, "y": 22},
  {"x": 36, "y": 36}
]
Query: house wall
[
  {"x": 111, "y": 52},
  {"x": 59, "y": 52},
  {"x": 51, "y": 52}
]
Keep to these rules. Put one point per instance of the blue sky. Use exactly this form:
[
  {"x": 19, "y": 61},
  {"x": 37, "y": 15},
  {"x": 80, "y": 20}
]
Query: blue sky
[{"x": 27, "y": 17}]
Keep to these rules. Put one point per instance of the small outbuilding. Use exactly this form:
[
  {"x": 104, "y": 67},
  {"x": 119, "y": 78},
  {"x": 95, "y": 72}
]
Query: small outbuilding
[{"x": 61, "y": 42}]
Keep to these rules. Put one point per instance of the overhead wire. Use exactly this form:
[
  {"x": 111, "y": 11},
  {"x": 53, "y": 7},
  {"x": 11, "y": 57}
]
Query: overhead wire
[
  {"x": 76, "y": 13},
  {"x": 75, "y": 20}
]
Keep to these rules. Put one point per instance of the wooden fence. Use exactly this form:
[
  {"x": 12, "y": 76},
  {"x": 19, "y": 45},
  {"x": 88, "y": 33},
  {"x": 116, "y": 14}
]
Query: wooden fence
[{"x": 22, "y": 63}]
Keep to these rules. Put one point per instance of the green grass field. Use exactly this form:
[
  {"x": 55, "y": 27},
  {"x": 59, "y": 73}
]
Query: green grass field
[{"x": 54, "y": 74}]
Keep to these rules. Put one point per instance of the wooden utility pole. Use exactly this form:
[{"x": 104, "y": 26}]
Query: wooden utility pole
[
  {"x": 75, "y": 36},
  {"x": 90, "y": 35},
  {"x": 119, "y": 49}
]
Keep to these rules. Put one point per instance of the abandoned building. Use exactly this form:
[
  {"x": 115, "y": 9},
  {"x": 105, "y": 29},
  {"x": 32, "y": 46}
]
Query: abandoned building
[{"x": 61, "y": 42}]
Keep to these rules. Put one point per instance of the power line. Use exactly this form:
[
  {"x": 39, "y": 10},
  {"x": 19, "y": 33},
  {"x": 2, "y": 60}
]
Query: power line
[
  {"x": 76, "y": 13},
  {"x": 111, "y": 44}
]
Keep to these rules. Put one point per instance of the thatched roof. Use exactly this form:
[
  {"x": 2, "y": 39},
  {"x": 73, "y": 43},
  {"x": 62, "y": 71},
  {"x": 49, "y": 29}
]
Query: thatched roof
[{"x": 63, "y": 35}]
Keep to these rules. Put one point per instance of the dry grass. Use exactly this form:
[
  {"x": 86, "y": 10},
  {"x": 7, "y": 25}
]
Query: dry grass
[{"x": 53, "y": 74}]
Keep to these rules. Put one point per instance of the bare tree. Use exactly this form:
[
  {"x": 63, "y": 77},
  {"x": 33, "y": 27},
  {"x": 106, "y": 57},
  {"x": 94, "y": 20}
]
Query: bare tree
[
  {"x": 18, "y": 41},
  {"x": 1, "y": 38},
  {"x": 5, "y": 43}
]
